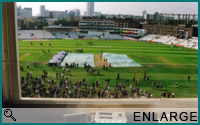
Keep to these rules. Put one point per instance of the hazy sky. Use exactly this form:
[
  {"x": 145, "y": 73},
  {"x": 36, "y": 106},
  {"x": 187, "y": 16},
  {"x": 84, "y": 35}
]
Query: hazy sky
[{"x": 133, "y": 8}]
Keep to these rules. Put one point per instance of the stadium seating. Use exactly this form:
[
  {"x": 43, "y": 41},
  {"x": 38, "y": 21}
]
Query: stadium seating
[
  {"x": 73, "y": 35},
  {"x": 112, "y": 36},
  {"x": 42, "y": 34},
  {"x": 169, "y": 40},
  {"x": 60, "y": 34},
  {"x": 34, "y": 34}
]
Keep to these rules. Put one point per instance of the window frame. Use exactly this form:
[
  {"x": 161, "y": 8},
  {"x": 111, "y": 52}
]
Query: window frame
[{"x": 11, "y": 88}]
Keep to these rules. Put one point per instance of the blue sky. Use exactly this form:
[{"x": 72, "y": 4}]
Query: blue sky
[{"x": 133, "y": 8}]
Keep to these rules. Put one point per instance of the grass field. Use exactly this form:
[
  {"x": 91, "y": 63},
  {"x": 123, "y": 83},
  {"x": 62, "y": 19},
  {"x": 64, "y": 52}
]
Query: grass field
[{"x": 163, "y": 63}]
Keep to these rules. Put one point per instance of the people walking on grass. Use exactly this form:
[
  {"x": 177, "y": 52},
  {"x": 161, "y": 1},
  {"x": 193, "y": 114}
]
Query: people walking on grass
[
  {"x": 21, "y": 68},
  {"x": 57, "y": 76},
  {"x": 63, "y": 76},
  {"x": 172, "y": 45},
  {"x": 168, "y": 94},
  {"x": 101, "y": 56},
  {"x": 173, "y": 95},
  {"x": 54, "y": 67},
  {"x": 144, "y": 78},
  {"x": 61, "y": 86},
  {"x": 137, "y": 81},
  {"x": 118, "y": 76},
  {"x": 106, "y": 68},
  {"x": 157, "y": 85},
  {"x": 43, "y": 51},
  {"x": 110, "y": 65},
  {"x": 189, "y": 77},
  {"x": 27, "y": 66},
  {"x": 133, "y": 77},
  {"x": 145, "y": 73},
  {"x": 161, "y": 85},
  {"x": 153, "y": 84},
  {"x": 126, "y": 81},
  {"x": 63, "y": 70},
  {"x": 163, "y": 94},
  {"x": 68, "y": 71},
  {"x": 176, "y": 85},
  {"x": 148, "y": 76}
]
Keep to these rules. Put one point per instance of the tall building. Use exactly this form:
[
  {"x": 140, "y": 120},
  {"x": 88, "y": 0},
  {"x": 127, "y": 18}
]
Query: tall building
[
  {"x": 42, "y": 11},
  {"x": 71, "y": 13},
  {"x": 77, "y": 12},
  {"x": 85, "y": 13},
  {"x": 46, "y": 13},
  {"x": 179, "y": 31},
  {"x": 26, "y": 13},
  {"x": 97, "y": 13},
  {"x": 50, "y": 14},
  {"x": 150, "y": 16},
  {"x": 144, "y": 14},
  {"x": 100, "y": 27},
  {"x": 19, "y": 11},
  {"x": 90, "y": 9},
  {"x": 59, "y": 14}
]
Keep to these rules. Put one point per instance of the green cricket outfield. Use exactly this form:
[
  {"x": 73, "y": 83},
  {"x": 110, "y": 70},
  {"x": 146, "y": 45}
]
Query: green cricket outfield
[{"x": 164, "y": 64}]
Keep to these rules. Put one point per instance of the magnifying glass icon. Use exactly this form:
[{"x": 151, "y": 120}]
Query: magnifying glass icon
[{"x": 8, "y": 113}]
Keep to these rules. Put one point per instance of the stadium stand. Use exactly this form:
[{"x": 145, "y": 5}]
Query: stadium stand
[
  {"x": 147, "y": 38},
  {"x": 170, "y": 40},
  {"x": 126, "y": 37},
  {"x": 43, "y": 34},
  {"x": 86, "y": 36},
  {"x": 60, "y": 35},
  {"x": 190, "y": 43},
  {"x": 34, "y": 34},
  {"x": 73, "y": 35},
  {"x": 112, "y": 36},
  {"x": 25, "y": 34}
]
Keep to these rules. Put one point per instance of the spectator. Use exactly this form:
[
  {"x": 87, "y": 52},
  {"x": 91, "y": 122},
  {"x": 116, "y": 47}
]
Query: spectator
[
  {"x": 161, "y": 85},
  {"x": 168, "y": 95},
  {"x": 148, "y": 76},
  {"x": 157, "y": 85},
  {"x": 153, "y": 84},
  {"x": 27, "y": 66},
  {"x": 189, "y": 77},
  {"x": 176, "y": 84},
  {"x": 173, "y": 95},
  {"x": 118, "y": 76},
  {"x": 133, "y": 77}
]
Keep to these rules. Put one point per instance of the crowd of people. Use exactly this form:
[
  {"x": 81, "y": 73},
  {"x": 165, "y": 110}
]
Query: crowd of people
[
  {"x": 44, "y": 51},
  {"x": 90, "y": 70},
  {"x": 63, "y": 87},
  {"x": 90, "y": 43},
  {"x": 79, "y": 50}
]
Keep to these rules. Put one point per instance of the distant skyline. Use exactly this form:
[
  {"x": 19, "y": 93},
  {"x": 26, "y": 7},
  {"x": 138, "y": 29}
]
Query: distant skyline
[{"x": 133, "y": 8}]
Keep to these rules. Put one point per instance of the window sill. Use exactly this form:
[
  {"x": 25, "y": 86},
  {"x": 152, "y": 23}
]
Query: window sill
[{"x": 102, "y": 103}]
